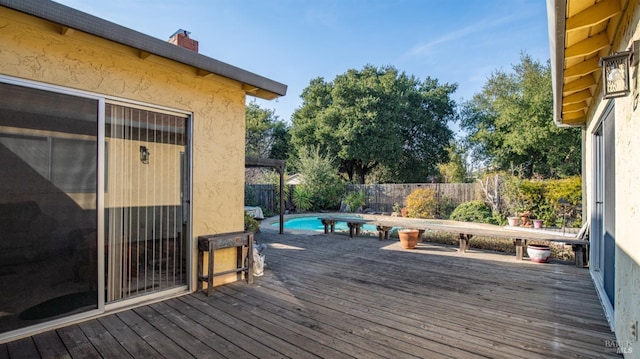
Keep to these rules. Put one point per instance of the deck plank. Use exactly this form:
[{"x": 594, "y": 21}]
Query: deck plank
[
  {"x": 199, "y": 332},
  {"x": 22, "y": 348},
  {"x": 180, "y": 336},
  {"x": 449, "y": 285},
  {"x": 293, "y": 333},
  {"x": 77, "y": 343},
  {"x": 324, "y": 296},
  {"x": 449, "y": 321},
  {"x": 280, "y": 330},
  {"x": 50, "y": 345},
  {"x": 129, "y": 339},
  {"x": 154, "y": 337},
  {"x": 392, "y": 327},
  {"x": 253, "y": 327},
  {"x": 4, "y": 351},
  {"x": 304, "y": 322},
  {"x": 207, "y": 316},
  {"x": 103, "y": 341}
]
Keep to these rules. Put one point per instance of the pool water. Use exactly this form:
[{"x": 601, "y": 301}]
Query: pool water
[{"x": 314, "y": 224}]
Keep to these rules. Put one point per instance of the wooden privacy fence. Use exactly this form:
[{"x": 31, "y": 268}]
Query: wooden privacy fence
[
  {"x": 382, "y": 197},
  {"x": 379, "y": 197},
  {"x": 263, "y": 195}
]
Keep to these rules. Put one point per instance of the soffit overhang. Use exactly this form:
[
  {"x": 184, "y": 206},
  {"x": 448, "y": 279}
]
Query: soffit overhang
[{"x": 580, "y": 33}]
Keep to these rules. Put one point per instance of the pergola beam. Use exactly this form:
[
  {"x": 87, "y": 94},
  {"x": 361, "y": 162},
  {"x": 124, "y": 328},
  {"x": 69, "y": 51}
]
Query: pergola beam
[{"x": 279, "y": 165}]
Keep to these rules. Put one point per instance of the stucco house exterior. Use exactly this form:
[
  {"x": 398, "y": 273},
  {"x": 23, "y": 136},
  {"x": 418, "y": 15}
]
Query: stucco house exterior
[
  {"x": 581, "y": 33},
  {"x": 117, "y": 151}
]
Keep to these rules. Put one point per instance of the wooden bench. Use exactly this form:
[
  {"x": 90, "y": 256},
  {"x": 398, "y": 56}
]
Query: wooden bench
[
  {"x": 354, "y": 224},
  {"x": 210, "y": 243},
  {"x": 384, "y": 226},
  {"x": 579, "y": 247}
]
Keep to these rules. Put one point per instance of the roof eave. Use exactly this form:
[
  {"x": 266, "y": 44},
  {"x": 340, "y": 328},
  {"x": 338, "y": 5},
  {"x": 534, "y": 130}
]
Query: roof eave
[
  {"x": 69, "y": 17},
  {"x": 556, "y": 20}
]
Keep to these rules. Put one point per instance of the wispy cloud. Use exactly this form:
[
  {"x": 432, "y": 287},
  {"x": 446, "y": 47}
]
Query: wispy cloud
[{"x": 456, "y": 35}]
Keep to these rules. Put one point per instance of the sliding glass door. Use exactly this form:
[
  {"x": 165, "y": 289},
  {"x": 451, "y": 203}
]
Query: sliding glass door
[
  {"x": 603, "y": 231},
  {"x": 145, "y": 223},
  {"x": 48, "y": 201},
  {"x": 93, "y": 203}
]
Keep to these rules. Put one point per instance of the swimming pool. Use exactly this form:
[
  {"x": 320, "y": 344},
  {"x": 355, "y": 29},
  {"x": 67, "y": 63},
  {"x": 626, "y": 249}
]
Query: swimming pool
[{"x": 314, "y": 224}]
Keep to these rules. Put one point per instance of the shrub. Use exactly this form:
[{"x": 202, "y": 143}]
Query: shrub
[
  {"x": 446, "y": 205},
  {"x": 541, "y": 197},
  {"x": 251, "y": 224},
  {"x": 422, "y": 203},
  {"x": 302, "y": 198},
  {"x": 321, "y": 180},
  {"x": 355, "y": 200},
  {"x": 474, "y": 211},
  {"x": 569, "y": 189}
]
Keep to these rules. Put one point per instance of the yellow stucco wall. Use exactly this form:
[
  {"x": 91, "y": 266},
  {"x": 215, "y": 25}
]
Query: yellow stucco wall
[
  {"x": 627, "y": 183},
  {"x": 36, "y": 50}
]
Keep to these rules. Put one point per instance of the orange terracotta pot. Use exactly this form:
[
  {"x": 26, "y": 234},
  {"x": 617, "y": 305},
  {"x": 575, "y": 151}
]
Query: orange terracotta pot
[{"x": 408, "y": 238}]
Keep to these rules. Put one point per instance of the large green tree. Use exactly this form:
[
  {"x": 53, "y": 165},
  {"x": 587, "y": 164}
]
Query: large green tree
[
  {"x": 509, "y": 124},
  {"x": 266, "y": 136},
  {"x": 456, "y": 170},
  {"x": 377, "y": 119}
]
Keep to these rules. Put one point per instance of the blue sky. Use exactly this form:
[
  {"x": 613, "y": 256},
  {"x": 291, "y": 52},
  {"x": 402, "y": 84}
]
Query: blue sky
[{"x": 294, "y": 41}]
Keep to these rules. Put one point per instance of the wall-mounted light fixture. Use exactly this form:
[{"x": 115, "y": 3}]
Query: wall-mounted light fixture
[
  {"x": 144, "y": 155},
  {"x": 615, "y": 72}
]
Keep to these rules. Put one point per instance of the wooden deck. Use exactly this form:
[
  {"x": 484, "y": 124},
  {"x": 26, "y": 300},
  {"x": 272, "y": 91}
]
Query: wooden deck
[{"x": 329, "y": 297}]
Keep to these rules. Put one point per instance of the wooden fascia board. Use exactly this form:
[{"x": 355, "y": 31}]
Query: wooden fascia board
[
  {"x": 594, "y": 15},
  {"x": 556, "y": 18},
  {"x": 583, "y": 68},
  {"x": 579, "y": 84},
  {"x": 588, "y": 46}
]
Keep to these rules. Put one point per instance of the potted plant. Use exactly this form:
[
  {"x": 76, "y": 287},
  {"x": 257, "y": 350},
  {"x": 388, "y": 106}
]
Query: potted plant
[
  {"x": 251, "y": 224},
  {"x": 514, "y": 221},
  {"x": 525, "y": 218},
  {"x": 408, "y": 238},
  {"x": 537, "y": 223},
  {"x": 538, "y": 253}
]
